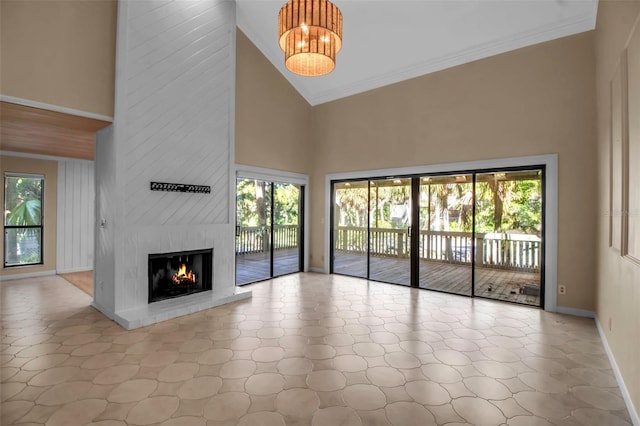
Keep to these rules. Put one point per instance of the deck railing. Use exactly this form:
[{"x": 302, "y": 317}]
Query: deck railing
[
  {"x": 504, "y": 251},
  {"x": 256, "y": 239}
]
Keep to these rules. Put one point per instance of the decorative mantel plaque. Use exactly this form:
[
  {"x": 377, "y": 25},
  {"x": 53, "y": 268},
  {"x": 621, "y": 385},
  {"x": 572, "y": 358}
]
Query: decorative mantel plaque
[{"x": 180, "y": 187}]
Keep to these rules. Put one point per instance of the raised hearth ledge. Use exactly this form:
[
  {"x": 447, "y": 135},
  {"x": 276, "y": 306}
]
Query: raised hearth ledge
[{"x": 171, "y": 308}]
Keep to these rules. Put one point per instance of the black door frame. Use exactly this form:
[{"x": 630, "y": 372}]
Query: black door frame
[
  {"x": 415, "y": 222},
  {"x": 301, "y": 226}
]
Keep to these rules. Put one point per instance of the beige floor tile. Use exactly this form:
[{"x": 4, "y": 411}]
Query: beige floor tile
[
  {"x": 364, "y": 397},
  {"x": 64, "y": 393},
  {"x": 326, "y": 380},
  {"x": 441, "y": 373},
  {"x": 178, "y": 372},
  {"x": 117, "y": 374},
  {"x": 45, "y": 361},
  {"x": 385, "y": 376},
  {"x": 227, "y": 406},
  {"x": 53, "y": 376},
  {"x": 528, "y": 421},
  {"x": 409, "y": 414},
  {"x": 427, "y": 392},
  {"x": 14, "y": 410},
  {"x": 350, "y": 363},
  {"x": 102, "y": 360},
  {"x": 159, "y": 359},
  {"x": 185, "y": 421},
  {"x": 333, "y": 416},
  {"x": 307, "y": 349},
  {"x": 478, "y": 411},
  {"x": 542, "y": 382},
  {"x": 77, "y": 413},
  {"x": 264, "y": 418},
  {"x": 368, "y": 349},
  {"x": 132, "y": 391},
  {"x": 487, "y": 388},
  {"x": 264, "y": 384},
  {"x": 603, "y": 399},
  {"x": 297, "y": 402},
  {"x": 267, "y": 354},
  {"x": 152, "y": 410},
  {"x": 200, "y": 387}
]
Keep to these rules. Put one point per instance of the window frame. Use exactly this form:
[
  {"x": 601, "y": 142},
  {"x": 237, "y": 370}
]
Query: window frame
[{"x": 6, "y": 227}]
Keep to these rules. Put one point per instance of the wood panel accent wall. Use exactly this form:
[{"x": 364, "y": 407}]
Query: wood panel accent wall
[
  {"x": 76, "y": 201},
  {"x": 38, "y": 131}
]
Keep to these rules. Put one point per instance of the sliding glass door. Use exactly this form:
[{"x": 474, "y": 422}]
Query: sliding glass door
[
  {"x": 268, "y": 229},
  {"x": 477, "y": 233},
  {"x": 446, "y": 222},
  {"x": 350, "y": 224},
  {"x": 508, "y": 234},
  {"x": 287, "y": 228},
  {"x": 390, "y": 230}
]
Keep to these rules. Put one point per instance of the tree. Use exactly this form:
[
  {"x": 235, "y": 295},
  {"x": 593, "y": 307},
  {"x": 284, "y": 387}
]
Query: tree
[{"x": 23, "y": 208}]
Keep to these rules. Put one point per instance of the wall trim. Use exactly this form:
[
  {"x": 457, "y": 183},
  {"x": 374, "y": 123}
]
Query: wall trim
[
  {"x": 43, "y": 157},
  {"x": 73, "y": 270},
  {"x": 575, "y": 312},
  {"x": 27, "y": 275},
  {"x": 550, "y": 161},
  {"x": 317, "y": 270},
  {"x": 633, "y": 413},
  {"x": 253, "y": 172},
  {"x": 54, "y": 108}
]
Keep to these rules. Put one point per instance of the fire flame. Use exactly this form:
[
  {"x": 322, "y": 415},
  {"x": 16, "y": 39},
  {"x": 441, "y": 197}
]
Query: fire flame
[{"x": 183, "y": 275}]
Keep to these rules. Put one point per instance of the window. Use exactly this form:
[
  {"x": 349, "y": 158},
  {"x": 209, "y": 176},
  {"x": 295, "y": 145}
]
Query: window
[{"x": 22, "y": 219}]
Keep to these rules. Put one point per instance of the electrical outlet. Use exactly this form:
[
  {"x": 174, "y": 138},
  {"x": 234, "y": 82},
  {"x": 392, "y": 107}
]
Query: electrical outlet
[{"x": 562, "y": 289}]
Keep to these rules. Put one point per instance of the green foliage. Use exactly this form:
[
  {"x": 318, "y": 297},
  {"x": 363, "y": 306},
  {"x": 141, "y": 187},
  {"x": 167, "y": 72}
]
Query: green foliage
[
  {"x": 253, "y": 203},
  {"x": 28, "y": 212},
  {"x": 501, "y": 206}
]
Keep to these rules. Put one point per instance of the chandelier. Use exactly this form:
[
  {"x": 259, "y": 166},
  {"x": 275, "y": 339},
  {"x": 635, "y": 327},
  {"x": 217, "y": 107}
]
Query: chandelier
[{"x": 310, "y": 35}]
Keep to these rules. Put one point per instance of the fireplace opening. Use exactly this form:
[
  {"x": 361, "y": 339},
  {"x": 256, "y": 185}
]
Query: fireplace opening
[{"x": 178, "y": 274}]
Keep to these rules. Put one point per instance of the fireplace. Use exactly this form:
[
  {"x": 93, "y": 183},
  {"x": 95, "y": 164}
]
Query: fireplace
[{"x": 178, "y": 274}]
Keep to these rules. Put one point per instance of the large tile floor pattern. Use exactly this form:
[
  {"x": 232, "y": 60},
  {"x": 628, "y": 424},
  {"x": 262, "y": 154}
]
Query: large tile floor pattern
[{"x": 307, "y": 349}]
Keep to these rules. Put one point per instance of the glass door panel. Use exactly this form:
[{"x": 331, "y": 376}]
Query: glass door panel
[
  {"x": 286, "y": 228},
  {"x": 446, "y": 224},
  {"x": 509, "y": 236},
  {"x": 253, "y": 231},
  {"x": 390, "y": 229},
  {"x": 350, "y": 223}
]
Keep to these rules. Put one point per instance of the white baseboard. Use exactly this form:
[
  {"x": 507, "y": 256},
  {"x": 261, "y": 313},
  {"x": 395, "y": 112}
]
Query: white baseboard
[
  {"x": 72, "y": 270},
  {"x": 318, "y": 270},
  {"x": 633, "y": 413},
  {"x": 26, "y": 275},
  {"x": 575, "y": 312}
]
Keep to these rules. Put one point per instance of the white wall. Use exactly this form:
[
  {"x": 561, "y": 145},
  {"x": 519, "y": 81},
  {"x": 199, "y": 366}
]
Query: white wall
[
  {"x": 76, "y": 199},
  {"x": 173, "y": 122}
]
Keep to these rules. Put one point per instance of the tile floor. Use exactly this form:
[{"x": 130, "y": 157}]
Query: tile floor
[{"x": 307, "y": 349}]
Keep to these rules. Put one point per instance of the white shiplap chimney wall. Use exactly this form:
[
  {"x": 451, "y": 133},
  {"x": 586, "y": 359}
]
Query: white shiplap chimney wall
[{"x": 173, "y": 122}]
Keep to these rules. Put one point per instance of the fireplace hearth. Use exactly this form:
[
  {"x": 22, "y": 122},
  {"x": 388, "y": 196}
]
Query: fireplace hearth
[{"x": 179, "y": 274}]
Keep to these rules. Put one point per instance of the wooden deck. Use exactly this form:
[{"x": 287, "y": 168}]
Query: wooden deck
[
  {"x": 499, "y": 284},
  {"x": 254, "y": 267}
]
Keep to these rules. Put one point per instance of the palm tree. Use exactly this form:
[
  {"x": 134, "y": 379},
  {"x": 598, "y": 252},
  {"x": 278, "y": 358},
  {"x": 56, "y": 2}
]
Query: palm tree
[{"x": 23, "y": 210}]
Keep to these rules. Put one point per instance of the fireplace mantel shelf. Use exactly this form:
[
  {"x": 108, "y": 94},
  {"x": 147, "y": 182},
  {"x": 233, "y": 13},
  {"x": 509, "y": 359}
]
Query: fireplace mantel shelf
[{"x": 172, "y": 308}]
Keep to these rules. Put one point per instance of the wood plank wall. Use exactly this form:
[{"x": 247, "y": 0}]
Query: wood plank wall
[{"x": 76, "y": 201}]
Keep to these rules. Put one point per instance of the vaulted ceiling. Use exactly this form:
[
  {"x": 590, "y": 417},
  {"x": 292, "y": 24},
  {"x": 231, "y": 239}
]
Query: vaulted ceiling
[{"x": 389, "y": 41}]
